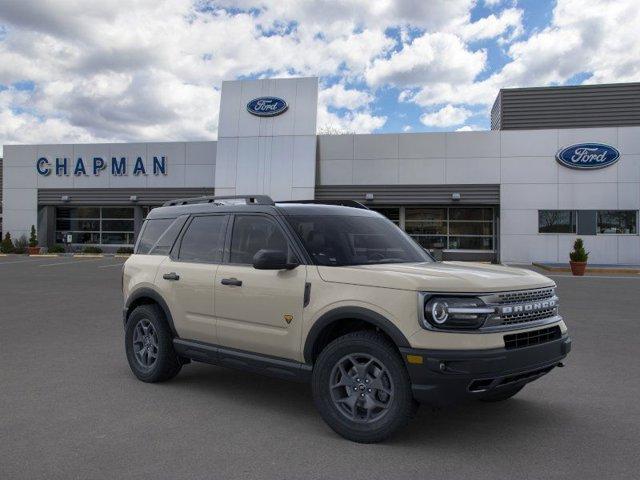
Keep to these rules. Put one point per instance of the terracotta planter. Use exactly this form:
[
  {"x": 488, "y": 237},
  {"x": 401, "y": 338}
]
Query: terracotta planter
[
  {"x": 33, "y": 250},
  {"x": 578, "y": 268}
]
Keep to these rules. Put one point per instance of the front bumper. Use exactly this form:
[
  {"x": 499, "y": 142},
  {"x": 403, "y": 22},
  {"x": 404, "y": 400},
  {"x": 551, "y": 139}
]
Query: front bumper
[{"x": 450, "y": 376}]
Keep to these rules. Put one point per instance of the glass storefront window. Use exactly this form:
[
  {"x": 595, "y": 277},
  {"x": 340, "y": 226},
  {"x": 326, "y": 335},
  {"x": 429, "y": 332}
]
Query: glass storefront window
[
  {"x": 451, "y": 228},
  {"x": 618, "y": 221},
  {"x": 556, "y": 221},
  {"x": 95, "y": 225}
]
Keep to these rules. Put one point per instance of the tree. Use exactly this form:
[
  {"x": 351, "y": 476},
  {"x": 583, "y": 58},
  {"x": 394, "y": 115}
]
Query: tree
[
  {"x": 33, "y": 237},
  {"x": 7, "y": 244}
]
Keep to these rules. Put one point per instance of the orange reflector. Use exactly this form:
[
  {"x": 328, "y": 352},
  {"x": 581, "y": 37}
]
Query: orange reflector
[{"x": 415, "y": 359}]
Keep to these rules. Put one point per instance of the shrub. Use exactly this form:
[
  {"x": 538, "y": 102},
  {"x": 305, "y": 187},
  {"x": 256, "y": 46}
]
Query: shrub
[
  {"x": 125, "y": 250},
  {"x": 91, "y": 249},
  {"x": 7, "y": 245},
  {"x": 33, "y": 237},
  {"x": 57, "y": 248},
  {"x": 20, "y": 245},
  {"x": 579, "y": 254}
]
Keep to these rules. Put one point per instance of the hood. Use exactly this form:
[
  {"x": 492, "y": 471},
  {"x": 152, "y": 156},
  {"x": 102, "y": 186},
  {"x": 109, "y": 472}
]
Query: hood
[{"x": 462, "y": 277}]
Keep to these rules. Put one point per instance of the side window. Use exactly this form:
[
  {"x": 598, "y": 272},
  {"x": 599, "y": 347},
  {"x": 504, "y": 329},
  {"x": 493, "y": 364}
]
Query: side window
[
  {"x": 252, "y": 233},
  {"x": 151, "y": 232},
  {"x": 204, "y": 240}
]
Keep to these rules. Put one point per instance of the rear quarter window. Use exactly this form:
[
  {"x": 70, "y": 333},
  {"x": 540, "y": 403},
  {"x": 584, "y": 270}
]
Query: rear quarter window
[{"x": 158, "y": 235}]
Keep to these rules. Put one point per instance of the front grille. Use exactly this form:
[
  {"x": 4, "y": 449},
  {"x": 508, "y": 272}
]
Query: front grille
[
  {"x": 524, "y": 317},
  {"x": 522, "y": 298},
  {"x": 525, "y": 296},
  {"x": 534, "y": 337}
]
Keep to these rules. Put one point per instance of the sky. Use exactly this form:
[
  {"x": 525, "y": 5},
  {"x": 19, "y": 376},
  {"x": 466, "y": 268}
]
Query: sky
[{"x": 75, "y": 71}]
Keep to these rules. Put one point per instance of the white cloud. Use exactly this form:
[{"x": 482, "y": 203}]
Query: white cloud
[
  {"x": 340, "y": 97},
  {"x": 432, "y": 57},
  {"x": 407, "y": 128},
  {"x": 469, "y": 128},
  {"x": 447, "y": 116},
  {"x": 508, "y": 22}
]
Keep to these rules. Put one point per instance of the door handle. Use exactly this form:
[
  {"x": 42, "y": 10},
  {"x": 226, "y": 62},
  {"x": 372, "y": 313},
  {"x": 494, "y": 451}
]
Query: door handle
[
  {"x": 171, "y": 276},
  {"x": 233, "y": 282}
]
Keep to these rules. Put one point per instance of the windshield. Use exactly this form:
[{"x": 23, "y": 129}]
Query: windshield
[{"x": 337, "y": 240}]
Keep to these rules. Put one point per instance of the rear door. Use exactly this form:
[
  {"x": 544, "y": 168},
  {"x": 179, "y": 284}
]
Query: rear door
[
  {"x": 187, "y": 277},
  {"x": 259, "y": 310}
]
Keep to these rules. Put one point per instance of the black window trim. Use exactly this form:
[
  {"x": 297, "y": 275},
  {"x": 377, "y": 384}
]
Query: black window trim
[
  {"x": 175, "y": 250},
  {"x": 293, "y": 241}
]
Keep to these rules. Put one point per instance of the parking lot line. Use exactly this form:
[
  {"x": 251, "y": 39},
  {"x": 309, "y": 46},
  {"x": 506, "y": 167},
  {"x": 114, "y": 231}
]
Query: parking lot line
[
  {"x": 112, "y": 265},
  {"x": 72, "y": 262},
  {"x": 30, "y": 260},
  {"x": 619, "y": 277}
]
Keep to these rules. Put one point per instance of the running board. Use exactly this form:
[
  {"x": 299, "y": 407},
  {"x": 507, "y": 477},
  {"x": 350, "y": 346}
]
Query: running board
[{"x": 241, "y": 360}]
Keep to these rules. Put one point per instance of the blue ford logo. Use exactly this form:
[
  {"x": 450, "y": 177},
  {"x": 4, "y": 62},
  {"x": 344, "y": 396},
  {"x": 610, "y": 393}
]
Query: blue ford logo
[
  {"x": 588, "y": 156},
  {"x": 267, "y": 106}
]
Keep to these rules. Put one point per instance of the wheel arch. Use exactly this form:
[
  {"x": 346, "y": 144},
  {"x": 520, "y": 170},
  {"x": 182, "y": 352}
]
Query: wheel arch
[
  {"x": 331, "y": 322},
  {"x": 148, "y": 296}
]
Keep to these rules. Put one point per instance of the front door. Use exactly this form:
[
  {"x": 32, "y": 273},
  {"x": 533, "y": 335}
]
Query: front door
[
  {"x": 259, "y": 310},
  {"x": 187, "y": 277}
]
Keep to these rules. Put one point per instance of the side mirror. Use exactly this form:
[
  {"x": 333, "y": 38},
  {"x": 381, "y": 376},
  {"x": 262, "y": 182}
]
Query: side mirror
[{"x": 272, "y": 260}]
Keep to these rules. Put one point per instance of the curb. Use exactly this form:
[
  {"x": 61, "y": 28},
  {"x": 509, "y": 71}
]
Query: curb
[
  {"x": 88, "y": 255},
  {"x": 122, "y": 255},
  {"x": 589, "y": 269},
  {"x": 45, "y": 255}
]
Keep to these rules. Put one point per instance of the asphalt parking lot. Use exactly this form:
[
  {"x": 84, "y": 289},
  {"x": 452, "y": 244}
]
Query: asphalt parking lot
[{"x": 70, "y": 408}]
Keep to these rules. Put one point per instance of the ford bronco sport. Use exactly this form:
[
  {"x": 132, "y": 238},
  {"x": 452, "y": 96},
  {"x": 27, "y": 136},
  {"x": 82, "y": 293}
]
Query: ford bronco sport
[{"x": 336, "y": 296}]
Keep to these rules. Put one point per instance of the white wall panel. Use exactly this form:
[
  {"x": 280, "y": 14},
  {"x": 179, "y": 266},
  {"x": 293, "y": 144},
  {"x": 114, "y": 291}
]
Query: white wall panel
[
  {"x": 473, "y": 170},
  {"x": 529, "y": 196},
  {"x": 335, "y": 147},
  {"x": 518, "y": 222},
  {"x": 629, "y": 249},
  {"x": 629, "y": 140},
  {"x": 473, "y": 144},
  {"x": 375, "y": 146},
  {"x": 525, "y": 249},
  {"x": 586, "y": 196},
  {"x": 336, "y": 172},
  {"x": 375, "y": 172},
  {"x": 571, "y": 136},
  {"x": 529, "y": 143},
  {"x": 200, "y": 153},
  {"x": 413, "y": 171},
  {"x": 422, "y": 145},
  {"x": 529, "y": 170}
]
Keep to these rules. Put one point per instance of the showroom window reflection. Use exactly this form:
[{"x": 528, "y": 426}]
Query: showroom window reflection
[
  {"x": 446, "y": 228},
  {"x": 96, "y": 225}
]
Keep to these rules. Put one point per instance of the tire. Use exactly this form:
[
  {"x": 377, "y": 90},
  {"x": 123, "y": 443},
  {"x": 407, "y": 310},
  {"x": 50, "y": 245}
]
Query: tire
[
  {"x": 502, "y": 394},
  {"x": 365, "y": 403},
  {"x": 160, "y": 363}
]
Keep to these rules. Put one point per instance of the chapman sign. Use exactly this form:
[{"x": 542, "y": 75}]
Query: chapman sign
[
  {"x": 118, "y": 166},
  {"x": 267, "y": 106},
  {"x": 588, "y": 156}
]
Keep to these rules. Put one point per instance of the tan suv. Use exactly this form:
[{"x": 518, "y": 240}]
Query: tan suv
[{"x": 337, "y": 296}]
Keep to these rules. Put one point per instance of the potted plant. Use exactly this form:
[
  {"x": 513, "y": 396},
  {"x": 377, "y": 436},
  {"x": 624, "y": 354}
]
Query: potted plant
[
  {"x": 33, "y": 249},
  {"x": 578, "y": 258},
  {"x": 7, "y": 244}
]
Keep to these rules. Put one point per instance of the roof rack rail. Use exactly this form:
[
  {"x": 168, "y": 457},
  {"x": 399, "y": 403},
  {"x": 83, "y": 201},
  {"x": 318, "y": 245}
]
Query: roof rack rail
[
  {"x": 250, "y": 200},
  {"x": 342, "y": 203}
]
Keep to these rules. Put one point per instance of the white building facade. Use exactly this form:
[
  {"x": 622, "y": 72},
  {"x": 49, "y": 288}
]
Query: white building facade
[{"x": 492, "y": 195}]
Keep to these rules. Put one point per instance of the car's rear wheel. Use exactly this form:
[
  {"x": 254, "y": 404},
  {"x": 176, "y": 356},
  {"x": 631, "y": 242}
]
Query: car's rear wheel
[
  {"x": 502, "y": 394},
  {"x": 361, "y": 387},
  {"x": 149, "y": 345}
]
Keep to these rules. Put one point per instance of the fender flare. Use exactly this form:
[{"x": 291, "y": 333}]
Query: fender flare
[
  {"x": 352, "y": 313},
  {"x": 157, "y": 298}
]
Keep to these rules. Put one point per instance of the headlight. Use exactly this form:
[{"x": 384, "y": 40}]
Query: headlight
[{"x": 455, "y": 312}]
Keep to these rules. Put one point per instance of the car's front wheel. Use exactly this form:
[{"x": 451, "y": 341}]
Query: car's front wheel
[
  {"x": 149, "y": 345},
  {"x": 361, "y": 387}
]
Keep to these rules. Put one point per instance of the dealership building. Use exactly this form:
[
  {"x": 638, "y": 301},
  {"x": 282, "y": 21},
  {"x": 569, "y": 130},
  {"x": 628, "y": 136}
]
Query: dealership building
[{"x": 559, "y": 162}]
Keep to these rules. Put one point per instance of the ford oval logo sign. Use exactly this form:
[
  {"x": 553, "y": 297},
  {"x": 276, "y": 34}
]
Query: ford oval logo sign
[
  {"x": 267, "y": 106},
  {"x": 588, "y": 156}
]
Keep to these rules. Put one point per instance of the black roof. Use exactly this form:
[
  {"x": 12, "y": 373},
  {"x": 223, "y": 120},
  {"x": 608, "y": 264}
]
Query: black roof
[{"x": 258, "y": 204}]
